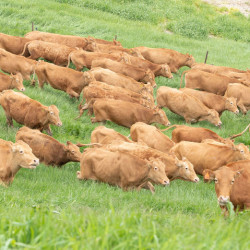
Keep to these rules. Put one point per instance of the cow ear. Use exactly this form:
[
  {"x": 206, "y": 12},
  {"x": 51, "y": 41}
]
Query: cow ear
[
  {"x": 177, "y": 162},
  {"x": 208, "y": 175},
  {"x": 69, "y": 143},
  {"x": 14, "y": 148},
  {"x": 184, "y": 158}
]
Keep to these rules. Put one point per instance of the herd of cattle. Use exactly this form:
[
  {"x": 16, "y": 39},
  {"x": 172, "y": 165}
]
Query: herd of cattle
[{"x": 119, "y": 87}]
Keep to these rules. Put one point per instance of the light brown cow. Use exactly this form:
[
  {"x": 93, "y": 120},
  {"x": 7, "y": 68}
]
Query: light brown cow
[
  {"x": 101, "y": 41},
  {"x": 244, "y": 78},
  {"x": 126, "y": 113},
  {"x": 65, "y": 79},
  {"x": 241, "y": 93},
  {"x": 28, "y": 112},
  {"x": 146, "y": 76},
  {"x": 47, "y": 149},
  {"x": 14, "y": 64},
  {"x": 13, "y": 44},
  {"x": 121, "y": 169},
  {"x": 213, "y": 101},
  {"x": 14, "y": 156},
  {"x": 150, "y": 135},
  {"x": 210, "y": 82},
  {"x": 173, "y": 58},
  {"x": 11, "y": 82},
  {"x": 207, "y": 155},
  {"x": 191, "y": 108},
  {"x": 54, "y": 52},
  {"x": 232, "y": 183}
]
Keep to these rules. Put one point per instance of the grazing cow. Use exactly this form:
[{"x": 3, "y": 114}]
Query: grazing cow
[
  {"x": 17, "y": 64},
  {"x": 150, "y": 135},
  {"x": 65, "y": 79},
  {"x": 54, "y": 52},
  {"x": 11, "y": 82},
  {"x": 210, "y": 82},
  {"x": 121, "y": 169},
  {"x": 213, "y": 101},
  {"x": 146, "y": 76},
  {"x": 28, "y": 112},
  {"x": 47, "y": 149},
  {"x": 191, "y": 108},
  {"x": 173, "y": 58},
  {"x": 244, "y": 78},
  {"x": 101, "y": 41},
  {"x": 232, "y": 183},
  {"x": 14, "y": 156},
  {"x": 241, "y": 93},
  {"x": 208, "y": 155},
  {"x": 126, "y": 113},
  {"x": 13, "y": 44}
]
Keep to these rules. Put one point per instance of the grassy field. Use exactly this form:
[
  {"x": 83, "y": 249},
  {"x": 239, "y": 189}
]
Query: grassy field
[{"x": 48, "y": 208}]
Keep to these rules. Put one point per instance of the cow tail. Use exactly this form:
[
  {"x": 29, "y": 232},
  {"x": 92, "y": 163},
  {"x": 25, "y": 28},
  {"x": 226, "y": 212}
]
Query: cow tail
[
  {"x": 33, "y": 82},
  {"x": 237, "y": 135},
  {"x": 26, "y": 52},
  {"x": 182, "y": 76},
  {"x": 173, "y": 126},
  {"x": 69, "y": 58}
]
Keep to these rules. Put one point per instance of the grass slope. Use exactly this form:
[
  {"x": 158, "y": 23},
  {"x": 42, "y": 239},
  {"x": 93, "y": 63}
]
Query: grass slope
[{"x": 49, "y": 208}]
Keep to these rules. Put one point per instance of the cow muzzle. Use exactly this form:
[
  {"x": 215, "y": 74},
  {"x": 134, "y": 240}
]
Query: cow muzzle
[
  {"x": 196, "y": 180},
  {"x": 236, "y": 112},
  {"x": 223, "y": 200},
  {"x": 22, "y": 89},
  {"x": 34, "y": 164},
  {"x": 165, "y": 182},
  {"x": 219, "y": 124},
  {"x": 59, "y": 124}
]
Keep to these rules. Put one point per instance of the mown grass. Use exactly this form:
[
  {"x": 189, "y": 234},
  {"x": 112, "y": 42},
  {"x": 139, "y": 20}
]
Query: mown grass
[{"x": 49, "y": 208}]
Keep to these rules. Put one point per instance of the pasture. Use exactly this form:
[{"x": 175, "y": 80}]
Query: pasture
[{"x": 48, "y": 208}]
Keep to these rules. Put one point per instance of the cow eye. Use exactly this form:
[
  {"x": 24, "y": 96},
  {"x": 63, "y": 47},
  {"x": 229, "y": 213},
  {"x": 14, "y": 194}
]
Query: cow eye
[
  {"x": 73, "y": 151},
  {"x": 51, "y": 113},
  {"x": 21, "y": 151},
  {"x": 155, "y": 168},
  {"x": 216, "y": 180},
  {"x": 231, "y": 103},
  {"x": 186, "y": 168},
  {"x": 232, "y": 182},
  {"x": 242, "y": 151}
]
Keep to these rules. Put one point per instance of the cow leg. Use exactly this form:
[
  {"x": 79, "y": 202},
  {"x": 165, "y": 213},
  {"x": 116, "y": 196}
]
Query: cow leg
[
  {"x": 9, "y": 120},
  {"x": 242, "y": 108},
  {"x": 147, "y": 185},
  {"x": 72, "y": 93},
  {"x": 94, "y": 119},
  {"x": 48, "y": 130}
]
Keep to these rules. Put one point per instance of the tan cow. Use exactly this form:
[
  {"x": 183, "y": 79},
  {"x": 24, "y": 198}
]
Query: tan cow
[
  {"x": 65, "y": 79},
  {"x": 126, "y": 113},
  {"x": 120, "y": 169},
  {"x": 47, "y": 149},
  {"x": 13, "y": 44},
  {"x": 191, "y": 108},
  {"x": 54, "y": 52},
  {"x": 173, "y": 58},
  {"x": 138, "y": 74},
  {"x": 11, "y": 82},
  {"x": 28, "y": 112},
  {"x": 150, "y": 135},
  {"x": 213, "y": 101},
  {"x": 14, "y": 64},
  {"x": 207, "y": 155},
  {"x": 241, "y": 93},
  {"x": 14, "y": 156},
  {"x": 232, "y": 183},
  {"x": 244, "y": 78},
  {"x": 102, "y": 41}
]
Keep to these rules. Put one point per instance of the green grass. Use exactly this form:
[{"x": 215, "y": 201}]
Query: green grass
[{"x": 49, "y": 208}]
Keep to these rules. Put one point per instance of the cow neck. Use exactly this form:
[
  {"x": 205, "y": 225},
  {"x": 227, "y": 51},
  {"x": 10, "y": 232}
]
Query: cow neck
[{"x": 170, "y": 168}]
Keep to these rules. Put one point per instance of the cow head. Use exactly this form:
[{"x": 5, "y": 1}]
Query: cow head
[
  {"x": 117, "y": 43},
  {"x": 73, "y": 152},
  {"x": 147, "y": 88},
  {"x": 224, "y": 179},
  {"x": 244, "y": 151},
  {"x": 157, "y": 172},
  {"x": 149, "y": 78},
  {"x": 88, "y": 77},
  {"x": 17, "y": 81},
  {"x": 189, "y": 60},
  {"x": 125, "y": 58},
  {"x": 165, "y": 71},
  {"x": 186, "y": 170},
  {"x": 23, "y": 156},
  {"x": 136, "y": 53},
  {"x": 91, "y": 45},
  {"x": 53, "y": 113},
  {"x": 213, "y": 117},
  {"x": 231, "y": 105},
  {"x": 160, "y": 117}
]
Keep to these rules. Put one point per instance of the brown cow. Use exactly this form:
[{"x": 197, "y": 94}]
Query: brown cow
[
  {"x": 210, "y": 82},
  {"x": 150, "y": 135},
  {"x": 232, "y": 183},
  {"x": 13, "y": 157},
  {"x": 241, "y": 93},
  {"x": 54, "y": 52},
  {"x": 11, "y": 82},
  {"x": 191, "y": 108},
  {"x": 213, "y": 101},
  {"x": 146, "y": 76},
  {"x": 28, "y": 112},
  {"x": 14, "y": 64},
  {"x": 47, "y": 149},
  {"x": 121, "y": 169},
  {"x": 101, "y": 41},
  {"x": 65, "y": 79},
  {"x": 244, "y": 78},
  {"x": 13, "y": 44},
  {"x": 207, "y": 155},
  {"x": 173, "y": 58},
  {"x": 126, "y": 113}
]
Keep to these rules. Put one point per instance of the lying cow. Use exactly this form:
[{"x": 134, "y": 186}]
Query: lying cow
[
  {"x": 11, "y": 82},
  {"x": 173, "y": 58},
  {"x": 213, "y": 101},
  {"x": 150, "y": 135},
  {"x": 28, "y": 112},
  {"x": 138, "y": 74},
  {"x": 126, "y": 113},
  {"x": 241, "y": 93},
  {"x": 65, "y": 79},
  {"x": 192, "y": 109},
  {"x": 121, "y": 169},
  {"x": 14, "y": 156},
  {"x": 47, "y": 149}
]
